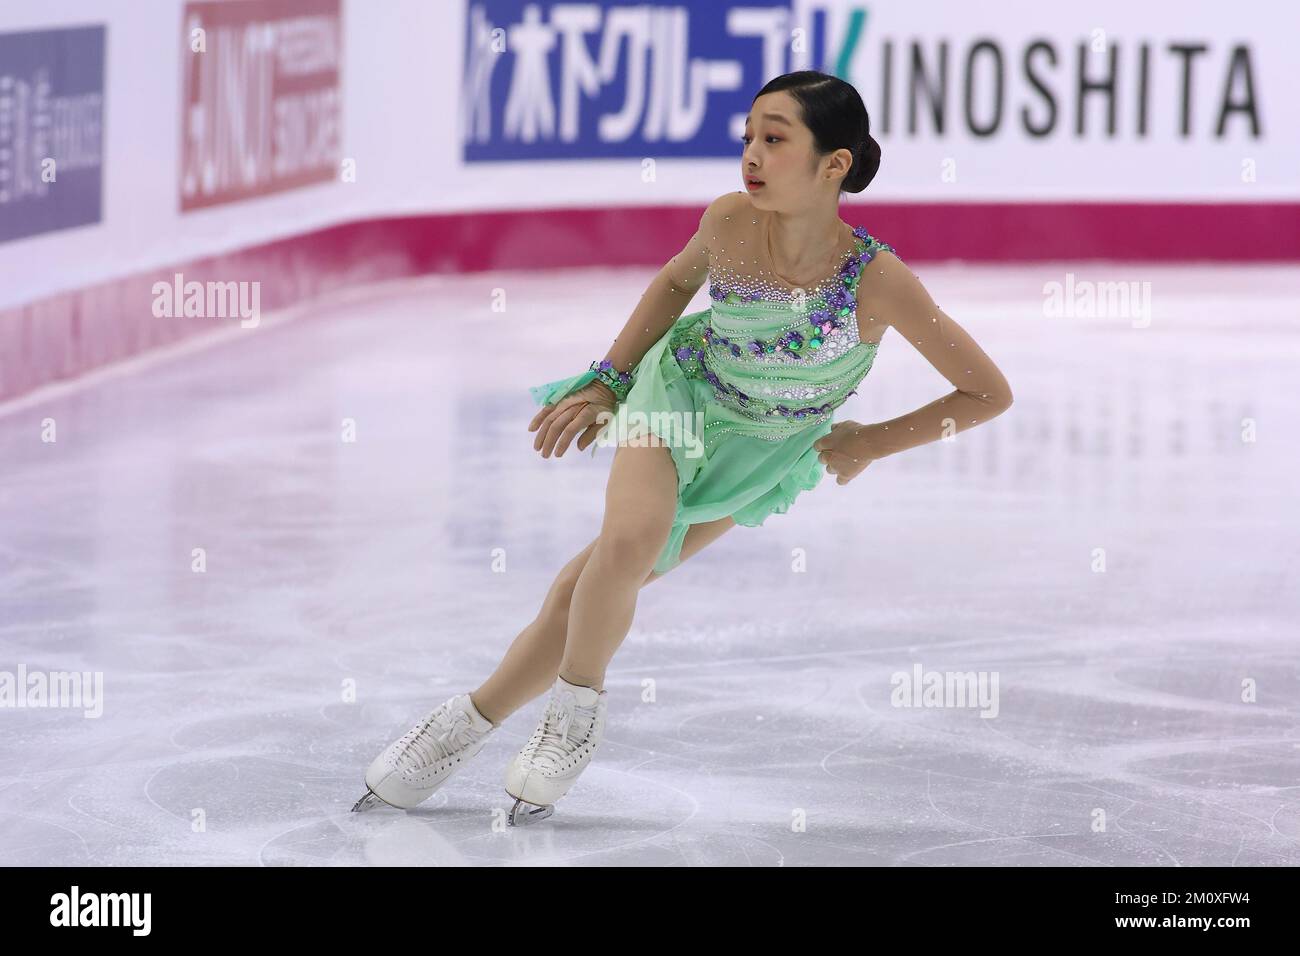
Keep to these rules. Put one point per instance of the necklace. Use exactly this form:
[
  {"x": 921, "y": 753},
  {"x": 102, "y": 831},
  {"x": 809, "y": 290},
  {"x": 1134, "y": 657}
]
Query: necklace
[{"x": 772, "y": 259}]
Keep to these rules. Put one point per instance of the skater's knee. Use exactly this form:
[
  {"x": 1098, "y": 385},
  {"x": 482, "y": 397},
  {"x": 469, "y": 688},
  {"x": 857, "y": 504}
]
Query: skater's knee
[
  {"x": 567, "y": 579},
  {"x": 632, "y": 545},
  {"x": 561, "y": 593}
]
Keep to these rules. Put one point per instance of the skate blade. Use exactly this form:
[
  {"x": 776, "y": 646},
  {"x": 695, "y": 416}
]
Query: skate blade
[
  {"x": 368, "y": 802},
  {"x": 523, "y": 813}
]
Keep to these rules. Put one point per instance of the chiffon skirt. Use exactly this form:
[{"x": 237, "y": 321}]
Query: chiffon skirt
[{"x": 724, "y": 467}]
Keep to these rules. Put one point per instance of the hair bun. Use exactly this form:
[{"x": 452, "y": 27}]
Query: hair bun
[{"x": 866, "y": 162}]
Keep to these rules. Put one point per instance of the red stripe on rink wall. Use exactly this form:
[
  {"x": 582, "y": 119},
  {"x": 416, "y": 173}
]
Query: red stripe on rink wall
[
  {"x": 66, "y": 335},
  {"x": 1044, "y": 232}
]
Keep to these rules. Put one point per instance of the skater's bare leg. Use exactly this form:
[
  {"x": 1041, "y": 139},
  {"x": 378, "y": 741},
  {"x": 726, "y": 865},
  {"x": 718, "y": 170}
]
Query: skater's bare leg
[
  {"x": 698, "y": 537},
  {"x": 533, "y": 659},
  {"x": 640, "y": 503}
]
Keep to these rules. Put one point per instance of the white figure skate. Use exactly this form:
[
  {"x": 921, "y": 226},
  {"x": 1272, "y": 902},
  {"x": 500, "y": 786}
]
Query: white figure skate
[
  {"x": 420, "y": 761},
  {"x": 558, "y": 751}
]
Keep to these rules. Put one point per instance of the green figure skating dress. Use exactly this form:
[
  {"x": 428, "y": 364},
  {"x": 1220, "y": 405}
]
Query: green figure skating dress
[{"x": 751, "y": 382}]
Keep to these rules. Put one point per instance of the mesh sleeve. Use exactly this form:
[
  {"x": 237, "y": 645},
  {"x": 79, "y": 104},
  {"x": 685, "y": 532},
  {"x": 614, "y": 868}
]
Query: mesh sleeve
[{"x": 895, "y": 296}]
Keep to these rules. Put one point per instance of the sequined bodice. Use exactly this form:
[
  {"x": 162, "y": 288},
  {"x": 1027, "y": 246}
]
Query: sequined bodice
[{"x": 778, "y": 355}]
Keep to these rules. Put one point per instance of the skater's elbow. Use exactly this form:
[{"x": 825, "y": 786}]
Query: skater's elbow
[
  {"x": 994, "y": 393},
  {"x": 998, "y": 400},
  {"x": 1001, "y": 398}
]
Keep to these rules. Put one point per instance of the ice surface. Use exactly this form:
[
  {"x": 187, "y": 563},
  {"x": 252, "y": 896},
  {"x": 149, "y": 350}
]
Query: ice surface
[{"x": 750, "y": 716}]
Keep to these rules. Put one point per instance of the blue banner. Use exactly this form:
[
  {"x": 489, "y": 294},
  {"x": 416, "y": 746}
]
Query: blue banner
[
  {"x": 51, "y": 130},
  {"x": 547, "y": 79}
]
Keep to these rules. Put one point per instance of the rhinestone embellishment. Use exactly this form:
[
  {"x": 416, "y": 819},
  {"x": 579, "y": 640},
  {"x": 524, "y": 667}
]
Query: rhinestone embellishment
[{"x": 824, "y": 329}]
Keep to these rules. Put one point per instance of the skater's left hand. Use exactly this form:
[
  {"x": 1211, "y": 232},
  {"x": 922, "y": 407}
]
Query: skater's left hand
[{"x": 846, "y": 450}]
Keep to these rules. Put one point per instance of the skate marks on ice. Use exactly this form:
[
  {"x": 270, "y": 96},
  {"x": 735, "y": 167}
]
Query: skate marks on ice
[{"x": 372, "y": 562}]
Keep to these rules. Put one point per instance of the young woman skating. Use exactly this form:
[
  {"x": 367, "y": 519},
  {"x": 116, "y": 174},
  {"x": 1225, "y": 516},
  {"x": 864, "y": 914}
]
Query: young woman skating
[{"x": 732, "y": 410}]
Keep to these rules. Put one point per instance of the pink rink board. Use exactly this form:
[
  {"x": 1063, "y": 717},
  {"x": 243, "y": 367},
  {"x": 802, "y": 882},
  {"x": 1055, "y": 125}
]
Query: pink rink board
[{"x": 68, "y": 334}]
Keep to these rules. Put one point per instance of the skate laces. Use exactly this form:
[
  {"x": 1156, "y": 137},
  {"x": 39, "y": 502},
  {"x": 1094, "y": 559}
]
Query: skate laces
[
  {"x": 427, "y": 745},
  {"x": 554, "y": 744}
]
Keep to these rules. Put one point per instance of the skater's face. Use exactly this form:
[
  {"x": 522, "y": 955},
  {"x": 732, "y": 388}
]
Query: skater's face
[{"x": 780, "y": 166}]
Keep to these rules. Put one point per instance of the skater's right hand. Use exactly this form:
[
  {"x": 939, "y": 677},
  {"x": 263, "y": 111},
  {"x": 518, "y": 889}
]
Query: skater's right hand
[{"x": 575, "y": 414}]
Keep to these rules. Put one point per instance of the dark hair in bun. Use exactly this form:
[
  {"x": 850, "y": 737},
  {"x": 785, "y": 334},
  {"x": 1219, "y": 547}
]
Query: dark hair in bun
[{"x": 834, "y": 113}]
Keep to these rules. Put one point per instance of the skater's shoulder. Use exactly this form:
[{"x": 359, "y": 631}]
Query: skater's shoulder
[
  {"x": 880, "y": 262},
  {"x": 734, "y": 201},
  {"x": 726, "y": 212},
  {"x": 889, "y": 290},
  {"x": 724, "y": 217}
]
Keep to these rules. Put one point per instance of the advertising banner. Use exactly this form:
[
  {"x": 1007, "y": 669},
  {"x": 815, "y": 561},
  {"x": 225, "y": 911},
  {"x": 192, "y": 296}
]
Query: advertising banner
[
  {"x": 261, "y": 98},
  {"x": 1018, "y": 100},
  {"x": 51, "y": 130}
]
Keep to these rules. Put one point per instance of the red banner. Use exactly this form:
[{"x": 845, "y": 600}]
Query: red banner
[{"x": 261, "y": 99}]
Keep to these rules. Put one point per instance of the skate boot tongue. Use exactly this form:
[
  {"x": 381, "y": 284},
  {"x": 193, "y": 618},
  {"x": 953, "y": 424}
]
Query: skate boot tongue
[
  {"x": 434, "y": 740},
  {"x": 570, "y": 714},
  {"x": 586, "y": 696},
  {"x": 440, "y": 734},
  {"x": 478, "y": 722}
]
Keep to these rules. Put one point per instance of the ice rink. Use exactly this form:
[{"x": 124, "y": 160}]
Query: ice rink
[{"x": 1118, "y": 551}]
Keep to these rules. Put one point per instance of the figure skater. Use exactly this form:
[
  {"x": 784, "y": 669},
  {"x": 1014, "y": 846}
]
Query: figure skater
[{"x": 729, "y": 418}]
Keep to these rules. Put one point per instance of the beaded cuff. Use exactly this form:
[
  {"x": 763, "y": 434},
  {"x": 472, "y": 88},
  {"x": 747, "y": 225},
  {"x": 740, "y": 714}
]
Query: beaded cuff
[{"x": 620, "y": 383}]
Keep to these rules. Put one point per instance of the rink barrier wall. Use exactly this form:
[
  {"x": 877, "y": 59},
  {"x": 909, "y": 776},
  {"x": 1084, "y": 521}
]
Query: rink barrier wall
[{"x": 69, "y": 334}]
